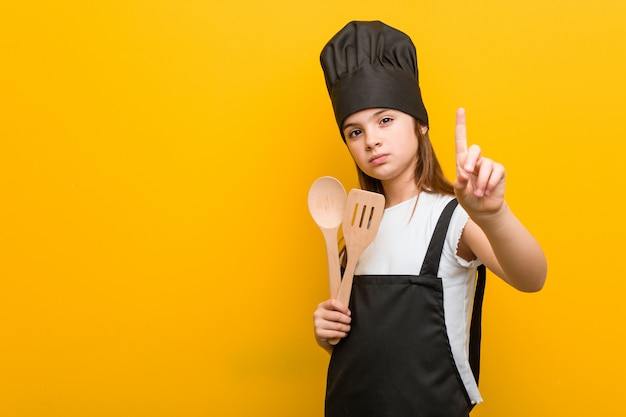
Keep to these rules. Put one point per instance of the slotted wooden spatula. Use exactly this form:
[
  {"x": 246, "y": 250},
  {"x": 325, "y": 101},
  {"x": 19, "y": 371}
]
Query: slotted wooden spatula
[{"x": 364, "y": 210}]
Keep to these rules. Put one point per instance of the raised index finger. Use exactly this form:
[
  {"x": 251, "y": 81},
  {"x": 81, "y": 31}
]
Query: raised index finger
[{"x": 460, "y": 135}]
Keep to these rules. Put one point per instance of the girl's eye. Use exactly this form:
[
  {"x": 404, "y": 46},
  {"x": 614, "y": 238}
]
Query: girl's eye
[
  {"x": 385, "y": 120},
  {"x": 354, "y": 133}
]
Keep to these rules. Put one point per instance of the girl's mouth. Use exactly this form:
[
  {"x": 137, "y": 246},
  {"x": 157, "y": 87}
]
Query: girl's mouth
[{"x": 378, "y": 159}]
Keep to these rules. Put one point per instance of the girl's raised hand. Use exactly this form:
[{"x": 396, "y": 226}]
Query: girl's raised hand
[{"x": 479, "y": 184}]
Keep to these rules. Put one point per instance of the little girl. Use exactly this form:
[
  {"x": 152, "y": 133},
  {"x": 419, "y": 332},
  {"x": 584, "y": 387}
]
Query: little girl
[{"x": 409, "y": 340}]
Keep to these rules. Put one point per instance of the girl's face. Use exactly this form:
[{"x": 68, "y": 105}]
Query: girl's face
[{"x": 383, "y": 143}]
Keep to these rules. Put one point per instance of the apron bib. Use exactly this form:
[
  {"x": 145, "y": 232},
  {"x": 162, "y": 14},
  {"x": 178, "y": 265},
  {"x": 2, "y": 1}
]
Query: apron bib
[{"x": 397, "y": 360}]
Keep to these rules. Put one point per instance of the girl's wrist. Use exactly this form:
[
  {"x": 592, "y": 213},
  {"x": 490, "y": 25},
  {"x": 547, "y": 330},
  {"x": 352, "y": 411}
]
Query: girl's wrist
[{"x": 492, "y": 220}]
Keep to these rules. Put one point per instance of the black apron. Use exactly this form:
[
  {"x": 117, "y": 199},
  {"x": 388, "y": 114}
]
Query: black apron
[{"x": 397, "y": 360}]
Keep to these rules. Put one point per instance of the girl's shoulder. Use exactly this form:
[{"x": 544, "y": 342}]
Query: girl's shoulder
[
  {"x": 435, "y": 203},
  {"x": 435, "y": 200}
]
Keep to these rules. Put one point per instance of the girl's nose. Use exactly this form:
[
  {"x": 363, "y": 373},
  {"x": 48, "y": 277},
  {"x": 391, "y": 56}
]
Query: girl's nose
[{"x": 372, "y": 141}]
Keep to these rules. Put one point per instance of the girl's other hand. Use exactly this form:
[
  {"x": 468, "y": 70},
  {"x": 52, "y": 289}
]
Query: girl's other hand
[
  {"x": 331, "y": 320},
  {"x": 480, "y": 181}
]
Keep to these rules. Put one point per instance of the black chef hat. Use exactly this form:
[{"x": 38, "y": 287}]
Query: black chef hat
[{"x": 372, "y": 65}]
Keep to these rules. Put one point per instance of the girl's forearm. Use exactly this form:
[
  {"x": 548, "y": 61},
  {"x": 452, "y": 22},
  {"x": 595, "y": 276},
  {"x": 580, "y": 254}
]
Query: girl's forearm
[{"x": 518, "y": 253}]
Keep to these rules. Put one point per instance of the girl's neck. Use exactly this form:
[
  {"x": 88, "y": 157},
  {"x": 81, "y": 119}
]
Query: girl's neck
[{"x": 396, "y": 193}]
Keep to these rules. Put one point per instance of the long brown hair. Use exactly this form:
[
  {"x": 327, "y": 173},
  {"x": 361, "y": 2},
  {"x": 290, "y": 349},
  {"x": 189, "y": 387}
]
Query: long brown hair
[{"x": 428, "y": 173}]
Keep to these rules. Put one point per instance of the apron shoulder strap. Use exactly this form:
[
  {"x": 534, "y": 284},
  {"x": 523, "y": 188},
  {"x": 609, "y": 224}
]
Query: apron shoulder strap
[
  {"x": 430, "y": 266},
  {"x": 475, "y": 327}
]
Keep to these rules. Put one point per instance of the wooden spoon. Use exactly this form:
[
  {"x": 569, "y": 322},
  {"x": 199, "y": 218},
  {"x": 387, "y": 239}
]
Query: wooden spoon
[
  {"x": 327, "y": 202},
  {"x": 364, "y": 211}
]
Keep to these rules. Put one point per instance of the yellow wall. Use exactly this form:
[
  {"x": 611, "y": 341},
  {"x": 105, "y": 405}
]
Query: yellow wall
[{"x": 156, "y": 253}]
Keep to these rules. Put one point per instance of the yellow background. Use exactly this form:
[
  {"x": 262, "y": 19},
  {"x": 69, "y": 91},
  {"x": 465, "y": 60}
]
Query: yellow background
[{"x": 156, "y": 253}]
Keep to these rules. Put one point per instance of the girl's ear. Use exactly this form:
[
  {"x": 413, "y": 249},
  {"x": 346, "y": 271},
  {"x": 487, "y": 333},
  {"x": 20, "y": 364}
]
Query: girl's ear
[{"x": 423, "y": 128}]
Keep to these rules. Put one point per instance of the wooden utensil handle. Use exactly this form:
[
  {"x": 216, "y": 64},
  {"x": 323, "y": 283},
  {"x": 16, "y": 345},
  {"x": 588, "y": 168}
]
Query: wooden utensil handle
[
  {"x": 332, "y": 253},
  {"x": 346, "y": 283},
  {"x": 345, "y": 289}
]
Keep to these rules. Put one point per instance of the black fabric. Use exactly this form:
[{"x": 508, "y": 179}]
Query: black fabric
[
  {"x": 372, "y": 65},
  {"x": 430, "y": 266},
  {"x": 397, "y": 360},
  {"x": 476, "y": 324}
]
